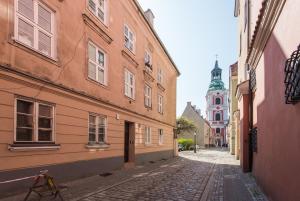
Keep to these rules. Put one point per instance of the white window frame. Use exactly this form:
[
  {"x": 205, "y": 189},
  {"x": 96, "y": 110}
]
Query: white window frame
[
  {"x": 98, "y": 66},
  {"x": 160, "y": 136},
  {"x": 160, "y": 103},
  {"x": 35, "y": 116},
  {"x": 148, "y": 96},
  {"x": 97, "y": 117},
  {"x": 160, "y": 76},
  {"x": 97, "y": 7},
  {"x": 148, "y": 135},
  {"x": 36, "y": 28},
  {"x": 127, "y": 38},
  {"x": 129, "y": 87}
]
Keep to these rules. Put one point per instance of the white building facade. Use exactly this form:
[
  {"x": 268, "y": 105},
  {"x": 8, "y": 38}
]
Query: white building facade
[{"x": 217, "y": 106}]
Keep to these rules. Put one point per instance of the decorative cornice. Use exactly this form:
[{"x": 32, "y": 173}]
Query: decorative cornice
[
  {"x": 269, "y": 14},
  {"x": 148, "y": 76},
  {"x": 161, "y": 87},
  {"x": 88, "y": 21},
  {"x": 129, "y": 58}
]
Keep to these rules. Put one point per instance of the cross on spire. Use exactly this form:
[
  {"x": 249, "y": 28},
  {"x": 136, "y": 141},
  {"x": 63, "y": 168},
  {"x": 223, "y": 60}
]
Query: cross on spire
[{"x": 217, "y": 56}]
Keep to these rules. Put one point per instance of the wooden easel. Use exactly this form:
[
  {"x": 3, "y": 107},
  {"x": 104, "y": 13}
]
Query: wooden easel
[{"x": 44, "y": 186}]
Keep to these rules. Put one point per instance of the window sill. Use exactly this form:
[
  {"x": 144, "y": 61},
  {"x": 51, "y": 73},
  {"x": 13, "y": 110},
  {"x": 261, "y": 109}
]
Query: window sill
[
  {"x": 127, "y": 56},
  {"x": 33, "y": 51},
  {"x": 97, "y": 146},
  {"x": 94, "y": 25},
  {"x": 33, "y": 147},
  {"x": 105, "y": 86}
]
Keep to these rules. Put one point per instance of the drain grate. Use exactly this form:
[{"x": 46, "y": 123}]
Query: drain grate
[
  {"x": 151, "y": 162},
  {"x": 106, "y": 174}
]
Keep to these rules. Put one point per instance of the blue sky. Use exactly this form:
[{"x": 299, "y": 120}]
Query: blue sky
[{"x": 194, "y": 31}]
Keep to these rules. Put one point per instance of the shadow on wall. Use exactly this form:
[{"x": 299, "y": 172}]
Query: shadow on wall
[{"x": 278, "y": 136}]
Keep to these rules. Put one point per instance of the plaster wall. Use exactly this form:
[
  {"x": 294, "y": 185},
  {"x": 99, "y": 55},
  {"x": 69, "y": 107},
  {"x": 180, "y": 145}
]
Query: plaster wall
[{"x": 276, "y": 162}]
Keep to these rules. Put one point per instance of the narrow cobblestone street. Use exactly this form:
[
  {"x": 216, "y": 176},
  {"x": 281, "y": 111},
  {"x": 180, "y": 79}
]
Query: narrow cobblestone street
[{"x": 207, "y": 175}]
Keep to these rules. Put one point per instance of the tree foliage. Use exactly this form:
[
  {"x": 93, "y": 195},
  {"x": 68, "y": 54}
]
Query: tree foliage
[{"x": 184, "y": 125}]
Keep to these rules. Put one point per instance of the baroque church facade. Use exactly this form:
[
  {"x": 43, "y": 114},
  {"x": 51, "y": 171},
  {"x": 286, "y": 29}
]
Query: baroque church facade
[{"x": 217, "y": 106}]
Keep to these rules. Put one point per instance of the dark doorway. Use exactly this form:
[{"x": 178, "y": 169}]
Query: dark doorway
[
  {"x": 126, "y": 145},
  {"x": 129, "y": 141}
]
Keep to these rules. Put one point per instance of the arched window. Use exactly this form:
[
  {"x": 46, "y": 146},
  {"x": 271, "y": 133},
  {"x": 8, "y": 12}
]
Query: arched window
[
  {"x": 218, "y": 117},
  {"x": 218, "y": 130},
  {"x": 218, "y": 101}
]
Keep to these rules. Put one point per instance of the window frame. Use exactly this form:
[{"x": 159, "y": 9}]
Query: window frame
[
  {"x": 96, "y": 13},
  {"x": 133, "y": 41},
  {"x": 218, "y": 113},
  {"x": 37, "y": 28},
  {"x": 160, "y": 136},
  {"x": 148, "y": 135},
  {"x": 160, "y": 76},
  {"x": 35, "y": 120},
  {"x": 220, "y": 103},
  {"x": 148, "y": 96},
  {"x": 97, "y": 117},
  {"x": 160, "y": 103},
  {"x": 130, "y": 86},
  {"x": 104, "y": 68}
]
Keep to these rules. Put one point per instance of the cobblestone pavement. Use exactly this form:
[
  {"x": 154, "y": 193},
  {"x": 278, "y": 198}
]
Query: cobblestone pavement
[{"x": 207, "y": 175}]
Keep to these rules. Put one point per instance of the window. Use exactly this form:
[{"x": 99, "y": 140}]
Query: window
[
  {"x": 34, "y": 121},
  {"x": 34, "y": 26},
  {"x": 96, "y": 64},
  {"x": 218, "y": 130},
  {"x": 160, "y": 136},
  {"x": 97, "y": 129},
  {"x": 147, "y": 135},
  {"x": 160, "y": 76},
  {"x": 218, "y": 117},
  {"x": 218, "y": 101},
  {"x": 98, "y": 8},
  {"x": 129, "y": 38},
  {"x": 129, "y": 84},
  {"x": 148, "y": 60},
  {"x": 160, "y": 104},
  {"x": 148, "y": 96}
]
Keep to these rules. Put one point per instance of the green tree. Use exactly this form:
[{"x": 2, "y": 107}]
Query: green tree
[{"x": 184, "y": 125}]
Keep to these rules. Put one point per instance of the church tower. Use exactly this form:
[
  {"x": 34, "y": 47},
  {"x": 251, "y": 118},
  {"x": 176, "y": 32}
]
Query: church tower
[{"x": 217, "y": 105}]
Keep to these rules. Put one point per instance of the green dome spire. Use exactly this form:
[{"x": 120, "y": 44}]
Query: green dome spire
[{"x": 216, "y": 78}]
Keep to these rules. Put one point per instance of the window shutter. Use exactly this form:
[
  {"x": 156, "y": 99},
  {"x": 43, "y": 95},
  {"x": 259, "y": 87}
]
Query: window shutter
[
  {"x": 44, "y": 43},
  {"x": 126, "y": 83},
  {"x": 92, "y": 70},
  {"x": 44, "y": 18},
  {"x": 92, "y": 5},
  {"x": 25, "y": 33},
  {"x": 25, "y": 7},
  {"x": 92, "y": 52}
]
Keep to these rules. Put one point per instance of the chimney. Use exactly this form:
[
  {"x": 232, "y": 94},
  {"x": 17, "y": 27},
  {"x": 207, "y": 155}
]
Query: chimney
[
  {"x": 198, "y": 111},
  {"x": 150, "y": 16},
  {"x": 189, "y": 103}
]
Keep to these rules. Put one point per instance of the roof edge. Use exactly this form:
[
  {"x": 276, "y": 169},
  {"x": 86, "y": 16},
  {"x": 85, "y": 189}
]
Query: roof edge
[{"x": 157, "y": 37}]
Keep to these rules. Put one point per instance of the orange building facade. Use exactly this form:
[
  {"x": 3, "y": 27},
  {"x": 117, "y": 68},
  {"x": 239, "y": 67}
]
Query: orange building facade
[{"x": 84, "y": 88}]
